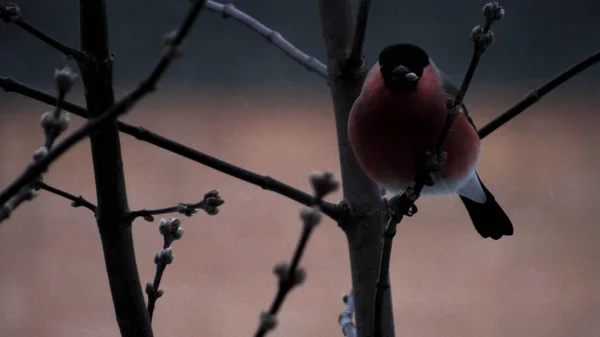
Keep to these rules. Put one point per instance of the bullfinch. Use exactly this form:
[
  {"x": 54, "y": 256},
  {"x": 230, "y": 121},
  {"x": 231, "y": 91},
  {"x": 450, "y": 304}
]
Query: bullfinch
[{"x": 399, "y": 116}]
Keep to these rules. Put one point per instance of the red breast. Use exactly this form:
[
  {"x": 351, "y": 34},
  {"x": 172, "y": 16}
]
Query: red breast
[{"x": 390, "y": 132}]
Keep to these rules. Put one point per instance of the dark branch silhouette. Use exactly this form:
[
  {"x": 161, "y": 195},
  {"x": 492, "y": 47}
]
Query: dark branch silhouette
[
  {"x": 77, "y": 201},
  {"x": 360, "y": 31},
  {"x": 482, "y": 38},
  {"x": 115, "y": 230},
  {"x": 12, "y": 14},
  {"x": 274, "y": 37},
  {"x": 123, "y": 106},
  {"x": 54, "y": 124},
  {"x": 537, "y": 94},
  {"x": 265, "y": 182},
  {"x": 26, "y": 194},
  {"x": 290, "y": 275},
  {"x": 210, "y": 204},
  {"x": 171, "y": 230}
]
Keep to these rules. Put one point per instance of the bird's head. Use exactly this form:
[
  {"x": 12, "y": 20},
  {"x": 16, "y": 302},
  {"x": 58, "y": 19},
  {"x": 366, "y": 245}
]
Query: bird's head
[{"x": 402, "y": 65}]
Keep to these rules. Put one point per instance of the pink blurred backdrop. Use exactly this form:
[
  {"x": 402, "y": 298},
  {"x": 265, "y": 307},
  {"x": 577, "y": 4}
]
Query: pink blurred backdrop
[{"x": 447, "y": 281}]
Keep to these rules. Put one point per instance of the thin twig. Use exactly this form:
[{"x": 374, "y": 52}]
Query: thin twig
[
  {"x": 77, "y": 201},
  {"x": 404, "y": 204},
  {"x": 265, "y": 182},
  {"x": 535, "y": 95},
  {"x": 334, "y": 211},
  {"x": 274, "y": 37},
  {"x": 118, "y": 109},
  {"x": 54, "y": 124},
  {"x": 9, "y": 84},
  {"x": 360, "y": 30},
  {"x": 210, "y": 204},
  {"x": 399, "y": 206},
  {"x": 171, "y": 230},
  {"x": 482, "y": 38},
  {"x": 290, "y": 274},
  {"x": 51, "y": 135},
  {"x": 11, "y": 13}
]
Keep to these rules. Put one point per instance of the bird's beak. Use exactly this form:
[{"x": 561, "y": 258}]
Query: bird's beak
[{"x": 404, "y": 72}]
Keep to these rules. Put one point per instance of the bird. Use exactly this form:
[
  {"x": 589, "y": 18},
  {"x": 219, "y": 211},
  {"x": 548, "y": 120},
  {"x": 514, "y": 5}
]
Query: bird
[{"x": 399, "y": 116}]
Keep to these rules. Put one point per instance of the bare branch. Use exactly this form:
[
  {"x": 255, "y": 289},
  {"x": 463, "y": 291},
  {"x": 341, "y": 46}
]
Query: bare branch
[
  {"x": 12, "y": 14},
  {"x": 289, "y": 274},
  {"x": 334, "y": 211},
  {"x": 265, "y": 182},
  {"x": 360, "y": 30},
  {"x": 482, "y": 38},
  {"x": 78, "y": 201},
  {"x": 118, "y": 109},
  {"x": 25, "y": 194},
  {"x": 364, "y": 228},
  {"x": 404, "y": 204},
  {"x": 537, "y": 94},
  {"x": 8, "y": 84},
  {"x": 210, "y": 204},
  {"x": 274, "y": 37},
  {"x": 54, "y": 124},
  {"x": 171, "y": 230}
]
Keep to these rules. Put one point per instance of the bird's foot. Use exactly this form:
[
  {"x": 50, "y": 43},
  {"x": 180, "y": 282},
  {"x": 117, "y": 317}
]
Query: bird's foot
[
  {"x": 432, "y": 166},
  {"x": 435, "y": 160}
]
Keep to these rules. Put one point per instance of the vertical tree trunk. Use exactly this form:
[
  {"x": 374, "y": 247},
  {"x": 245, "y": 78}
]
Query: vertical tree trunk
[
  {"x": 115, "y": 229},
  {"x": 365, "y": 231}
]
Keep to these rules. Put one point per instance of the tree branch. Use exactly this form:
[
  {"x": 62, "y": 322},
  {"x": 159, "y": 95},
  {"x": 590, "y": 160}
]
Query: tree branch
[
  {"x": 78, "y": 201},
  {"x": 113, "y": 224},
  {"x": 274, "y": 37},
  {"x": 54, "y": 124},
  {"x": 482, "y": 38},
  {"x": 25, "y": 194},
  {"x": 9, "y": 84},
  {"x": 210, "y": 204},
  {"x": 364, "y": 229},
  {"x": 360, "y": 30},
  {"x": 171, "y": 230},
  {"x": 12, "y": 14},
  {"x": 115, "y": 232},
  {"x": 265, "y": 182},
  {"x": 537, "y": 94},
  {"x": 291, "y": 275},
  {"x": 102, "y": 119}
]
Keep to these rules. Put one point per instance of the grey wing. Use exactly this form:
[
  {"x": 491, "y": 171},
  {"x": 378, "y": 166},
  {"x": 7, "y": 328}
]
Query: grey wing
[{"x": 451, "y": 89}]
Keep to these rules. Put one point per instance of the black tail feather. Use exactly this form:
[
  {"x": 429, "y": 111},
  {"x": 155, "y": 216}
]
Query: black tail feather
[{"x": 488, "y": 218}]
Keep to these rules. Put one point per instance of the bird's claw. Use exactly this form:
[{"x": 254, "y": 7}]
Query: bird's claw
[
  {"x": 435, "y": 160},
  {"x": 433, "y": 163},
  {"x": 412, "y": 210},
  {"x": 411, "y": 194}
]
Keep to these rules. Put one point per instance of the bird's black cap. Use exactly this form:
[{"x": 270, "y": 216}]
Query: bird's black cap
[{"x": 401, "y": 66}]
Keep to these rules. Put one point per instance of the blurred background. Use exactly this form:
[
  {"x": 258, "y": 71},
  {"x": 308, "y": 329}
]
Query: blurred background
[{"x": 236, "y": 97}]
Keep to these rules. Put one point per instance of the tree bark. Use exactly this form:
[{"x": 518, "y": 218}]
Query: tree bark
[
  {"x": 115, "y": 229},
  {"x": 364, "y": 230}
]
